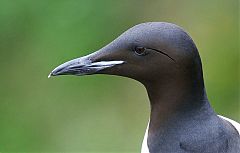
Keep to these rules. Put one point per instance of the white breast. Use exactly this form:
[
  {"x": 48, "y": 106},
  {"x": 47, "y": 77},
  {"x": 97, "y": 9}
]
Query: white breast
[
  {"x": 145, "y": 146},
  {"x": 144, "y": 143}
]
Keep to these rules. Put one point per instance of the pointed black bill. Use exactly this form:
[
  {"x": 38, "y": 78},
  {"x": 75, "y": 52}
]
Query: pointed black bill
[{"x": 82, "y": 66}]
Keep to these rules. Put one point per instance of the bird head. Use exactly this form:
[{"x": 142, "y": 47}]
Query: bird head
[{"x": 146, "y": 52}]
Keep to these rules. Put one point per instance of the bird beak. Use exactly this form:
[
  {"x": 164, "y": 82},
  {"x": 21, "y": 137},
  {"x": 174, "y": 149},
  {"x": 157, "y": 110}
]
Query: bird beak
[{"x": 84, "y": 65}]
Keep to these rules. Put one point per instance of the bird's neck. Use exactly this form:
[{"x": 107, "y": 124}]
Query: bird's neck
[{"x": 174, "y": 102}]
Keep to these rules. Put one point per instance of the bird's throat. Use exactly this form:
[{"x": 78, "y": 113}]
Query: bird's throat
[
  {"x": 174, "y": 104},
  {"x": 173, "y": 99}
]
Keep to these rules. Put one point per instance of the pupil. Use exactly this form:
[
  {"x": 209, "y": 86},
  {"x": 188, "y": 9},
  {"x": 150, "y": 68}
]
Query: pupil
[{"x": 140, "y": 50}]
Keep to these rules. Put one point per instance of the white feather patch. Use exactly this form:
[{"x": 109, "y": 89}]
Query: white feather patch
[{"x": 144, "y": 143}]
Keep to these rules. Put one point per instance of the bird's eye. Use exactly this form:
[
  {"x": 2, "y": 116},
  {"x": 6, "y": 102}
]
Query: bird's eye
[{"x": 140, "y": 51}]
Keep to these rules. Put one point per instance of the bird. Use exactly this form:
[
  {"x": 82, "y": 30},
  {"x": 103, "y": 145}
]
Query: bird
[{"x": 164, "y": 58}]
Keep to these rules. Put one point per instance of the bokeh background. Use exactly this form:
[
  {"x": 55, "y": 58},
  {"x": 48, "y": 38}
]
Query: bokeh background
[{"x": 99, "y": 113}]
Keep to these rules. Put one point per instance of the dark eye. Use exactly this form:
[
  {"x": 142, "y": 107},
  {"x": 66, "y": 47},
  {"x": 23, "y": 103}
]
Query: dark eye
[{"x": 140, "y": 51}]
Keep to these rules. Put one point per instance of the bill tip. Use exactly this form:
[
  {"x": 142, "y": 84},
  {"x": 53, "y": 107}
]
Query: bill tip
[{"x": 49, "y": 75}]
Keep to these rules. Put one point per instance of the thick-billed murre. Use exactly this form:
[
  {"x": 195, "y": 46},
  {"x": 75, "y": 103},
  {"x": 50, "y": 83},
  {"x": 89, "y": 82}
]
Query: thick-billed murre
[{"x": 164, "y": 58}]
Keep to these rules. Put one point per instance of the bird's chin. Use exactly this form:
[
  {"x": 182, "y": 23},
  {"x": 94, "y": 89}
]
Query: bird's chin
[{"x": 83, "y": 66}]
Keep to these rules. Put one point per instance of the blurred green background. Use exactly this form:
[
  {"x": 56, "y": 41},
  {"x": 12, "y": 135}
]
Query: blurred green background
[{"x": 98, "y": 113}]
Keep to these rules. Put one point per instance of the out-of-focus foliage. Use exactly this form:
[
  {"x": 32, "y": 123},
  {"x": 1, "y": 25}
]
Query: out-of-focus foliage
[{"x": 98, "y": 113}]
